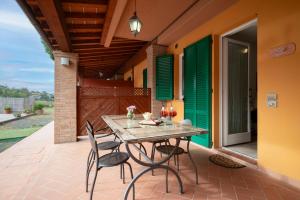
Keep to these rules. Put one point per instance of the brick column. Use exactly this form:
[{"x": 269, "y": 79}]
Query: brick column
[
  {"x": 153, "y": 51},
  {"x": 65, "y": 112}
]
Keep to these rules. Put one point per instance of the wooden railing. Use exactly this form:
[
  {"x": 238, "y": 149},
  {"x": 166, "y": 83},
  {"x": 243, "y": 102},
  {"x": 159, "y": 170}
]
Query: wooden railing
[{"x": 93, "y": 102}]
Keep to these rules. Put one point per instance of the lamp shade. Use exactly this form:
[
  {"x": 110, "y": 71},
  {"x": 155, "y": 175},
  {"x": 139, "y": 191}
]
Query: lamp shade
[
  {"x": 135, "y": 24},
  {"x": 65, "y": 61}
]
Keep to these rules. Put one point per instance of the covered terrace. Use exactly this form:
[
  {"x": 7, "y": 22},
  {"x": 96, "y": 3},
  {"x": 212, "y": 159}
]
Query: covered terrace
[{"x": 95, "y": 51}]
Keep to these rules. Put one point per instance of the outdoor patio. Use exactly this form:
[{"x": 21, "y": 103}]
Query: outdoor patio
[{"x": 35, "y": 168}]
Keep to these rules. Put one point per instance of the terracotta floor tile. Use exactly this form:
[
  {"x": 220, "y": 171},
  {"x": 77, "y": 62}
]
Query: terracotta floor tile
[{"x": 44, "y": 171}]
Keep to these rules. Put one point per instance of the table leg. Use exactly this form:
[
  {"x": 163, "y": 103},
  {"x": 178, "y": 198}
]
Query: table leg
[
  {"x": 151, "y": 165},
  {"x": 193, "y": 162}
]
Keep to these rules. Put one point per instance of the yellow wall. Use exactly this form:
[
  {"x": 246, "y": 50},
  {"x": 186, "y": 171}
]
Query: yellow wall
[
  {"x": 278, "y": 129},
  {"x": 128, "y": 74},
  {"x": 138, "y": 74}
]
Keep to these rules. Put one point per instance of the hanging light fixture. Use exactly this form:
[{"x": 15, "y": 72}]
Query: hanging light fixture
[{"x": 135, "y": 23}]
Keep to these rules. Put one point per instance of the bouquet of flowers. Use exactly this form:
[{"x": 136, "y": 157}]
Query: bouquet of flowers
[{"x": 130, "y": 111}]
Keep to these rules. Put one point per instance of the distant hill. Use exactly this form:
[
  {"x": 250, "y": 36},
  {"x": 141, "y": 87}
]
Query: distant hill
[{"x": 24, "y": 92}]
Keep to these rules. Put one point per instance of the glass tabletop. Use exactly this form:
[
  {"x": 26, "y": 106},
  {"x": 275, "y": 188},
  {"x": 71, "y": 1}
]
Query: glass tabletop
[{"x": 131, "y": 131}]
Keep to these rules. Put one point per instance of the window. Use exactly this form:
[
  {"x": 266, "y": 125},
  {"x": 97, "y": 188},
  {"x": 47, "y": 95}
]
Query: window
[{"x": 164, "y": 77}]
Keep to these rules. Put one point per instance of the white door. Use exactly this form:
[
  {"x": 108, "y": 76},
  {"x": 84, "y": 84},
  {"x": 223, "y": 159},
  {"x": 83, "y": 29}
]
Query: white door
[{"x": 236, "y": 110}]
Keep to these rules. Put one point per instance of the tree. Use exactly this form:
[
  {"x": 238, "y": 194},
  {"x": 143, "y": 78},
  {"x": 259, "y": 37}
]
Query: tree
[{"x": 47, "y": 49}]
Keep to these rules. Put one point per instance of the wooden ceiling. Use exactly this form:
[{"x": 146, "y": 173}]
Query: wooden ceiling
[{"x": 77, "y": 26}]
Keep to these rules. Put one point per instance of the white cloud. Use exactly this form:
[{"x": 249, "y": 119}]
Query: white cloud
[
  {"x": 37, "y": 69},
  {"x": 14, "y": 20}
]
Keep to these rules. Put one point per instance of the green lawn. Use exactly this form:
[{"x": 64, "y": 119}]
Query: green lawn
[
  {"x": 12, "y": 132},
  {"x": 16, "y": 133}
]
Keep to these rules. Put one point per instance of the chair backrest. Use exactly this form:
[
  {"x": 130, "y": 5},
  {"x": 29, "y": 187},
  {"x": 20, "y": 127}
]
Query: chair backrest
[
  {"x": 186, "y": 122},
  {"x": 92, "y": 141},
  {"x": 89, "y": 127}
]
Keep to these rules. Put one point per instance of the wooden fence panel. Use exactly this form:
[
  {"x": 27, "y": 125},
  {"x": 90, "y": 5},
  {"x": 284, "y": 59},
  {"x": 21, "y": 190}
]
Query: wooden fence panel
[{"x": 95, "y": 102}]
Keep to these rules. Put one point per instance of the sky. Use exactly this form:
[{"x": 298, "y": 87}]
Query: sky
[{"x": 23, "y": 60}]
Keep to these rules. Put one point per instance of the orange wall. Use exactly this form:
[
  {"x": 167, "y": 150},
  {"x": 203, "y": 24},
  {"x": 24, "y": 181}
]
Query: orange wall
[
  {"x": 128, "y": 74},
  {"x": 278, "y": 129},
  {"x": 138, "y": 74}
]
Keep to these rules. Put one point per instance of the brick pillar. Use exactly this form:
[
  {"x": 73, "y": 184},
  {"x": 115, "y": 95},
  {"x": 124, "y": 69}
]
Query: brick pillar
[
  {"x": 65, "y": 112},
  {"x": 153, "y": 51}
]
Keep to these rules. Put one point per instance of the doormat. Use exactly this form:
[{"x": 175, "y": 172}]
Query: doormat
[{"x": 225, "y": 162}]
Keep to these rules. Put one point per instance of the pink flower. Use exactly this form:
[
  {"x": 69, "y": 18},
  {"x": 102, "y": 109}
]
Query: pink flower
[{"x": 131, "y": 108}]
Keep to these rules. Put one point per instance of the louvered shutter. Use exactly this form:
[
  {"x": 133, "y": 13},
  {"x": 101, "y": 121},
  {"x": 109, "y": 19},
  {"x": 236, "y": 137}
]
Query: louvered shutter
[
  {"x": 201, "y": 87},
  {"x": 190, "y": 65},
  {"x": 164, "y": 77}
]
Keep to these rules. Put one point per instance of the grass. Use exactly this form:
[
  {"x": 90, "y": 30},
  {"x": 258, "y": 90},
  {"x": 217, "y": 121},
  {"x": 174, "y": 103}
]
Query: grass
[
  {"x": 12, "y": 132},
  {"x": 5, "y": 144},
  {"x": 16, "y": 133}
]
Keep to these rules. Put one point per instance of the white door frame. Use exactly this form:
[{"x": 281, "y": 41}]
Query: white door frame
[{"x": 235, "y": 30}]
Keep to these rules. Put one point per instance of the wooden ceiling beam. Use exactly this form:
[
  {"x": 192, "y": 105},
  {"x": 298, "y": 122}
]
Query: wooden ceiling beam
[
  {"x": 85, "y": 34},
  {"x": 134, "y": 60},
  {"x": 107, "y": 50},
  {"x": 108, "y": 53},
  {"x": 86, "y": 38},
  {"x": 85, "y": 26},
  {"x": 53, "y": 13},
  {"x": 108, "y": 67},
  {"x": 36, "y": 23},
  {"x": 118, "y": 46},
  {"x": 112, "y": 19},
  {"x": 93, "y": 62},
  {"x": 103, "y": 60},
  {"x": 97, "y": 61},
  {"x": 104, "y": 55},
  {"x": 85, "y": 41},
  {"x": 107, "y": 59},
  {"x": 99, "y": 64},
  {"x": 104, "y": 2},
  {"x": 84, "y": 16}
]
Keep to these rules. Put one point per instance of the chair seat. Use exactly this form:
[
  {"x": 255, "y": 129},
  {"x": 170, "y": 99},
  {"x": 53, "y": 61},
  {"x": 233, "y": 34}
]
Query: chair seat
[
  {"x": 167, "y": 149},
  {"x": 112, "y": 159},
  {"x": 108, "y": 145}
]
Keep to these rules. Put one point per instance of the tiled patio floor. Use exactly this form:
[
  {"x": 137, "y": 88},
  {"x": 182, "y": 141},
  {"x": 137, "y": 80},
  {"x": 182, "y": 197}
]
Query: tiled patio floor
[{"x": 35, "y": 168}]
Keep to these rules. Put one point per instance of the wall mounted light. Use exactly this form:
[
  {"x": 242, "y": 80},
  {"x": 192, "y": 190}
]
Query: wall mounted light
[
  {"x": 135, "y": 24},
  {"x": 64, "y": 61}
]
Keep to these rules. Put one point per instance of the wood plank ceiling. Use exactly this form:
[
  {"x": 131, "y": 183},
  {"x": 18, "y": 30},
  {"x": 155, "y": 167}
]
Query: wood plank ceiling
[{"x": 77, "y": 26}]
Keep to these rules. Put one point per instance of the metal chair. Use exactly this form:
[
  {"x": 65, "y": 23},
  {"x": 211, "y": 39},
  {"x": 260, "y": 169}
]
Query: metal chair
[
  {"x": 108, "y": 160},
  {"x": 107, "y": 145},
  {"x": 167, "y": 148},
  {"x": 154, "y": 146}
]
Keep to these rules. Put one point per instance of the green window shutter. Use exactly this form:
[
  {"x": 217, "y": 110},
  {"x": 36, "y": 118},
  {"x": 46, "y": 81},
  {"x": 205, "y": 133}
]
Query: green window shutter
[
  {"x": 200, "y": 88},
  {"x": 145, "y": 78},
  {"x": 164, "y": 77},
  {"x": 190, "y": 65}
]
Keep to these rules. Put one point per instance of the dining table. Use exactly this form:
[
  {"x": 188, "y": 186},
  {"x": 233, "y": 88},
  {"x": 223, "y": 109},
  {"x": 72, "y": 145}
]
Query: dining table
[{"x": 132, "y": 133}]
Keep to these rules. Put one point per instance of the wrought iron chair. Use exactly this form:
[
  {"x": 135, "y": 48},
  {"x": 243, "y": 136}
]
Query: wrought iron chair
[
  {"x": 108, "y": 160},
  {"x": 168, "y": 148},
  {"x": 107, "y": 145},
  {"x": 154, "y": 146}
]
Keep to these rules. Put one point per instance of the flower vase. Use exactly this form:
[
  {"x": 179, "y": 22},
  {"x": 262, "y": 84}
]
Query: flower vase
[{"x": 130, "y": 115}]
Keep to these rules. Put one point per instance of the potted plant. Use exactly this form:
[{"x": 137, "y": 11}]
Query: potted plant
[
  {"x": 7, "y": 109},
  {"x": 38, "y": 108},
  {"x": 18, "y": 114}
]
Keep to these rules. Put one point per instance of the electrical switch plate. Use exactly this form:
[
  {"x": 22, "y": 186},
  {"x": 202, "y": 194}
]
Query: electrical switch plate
[{"x": 271, "y": 100}]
